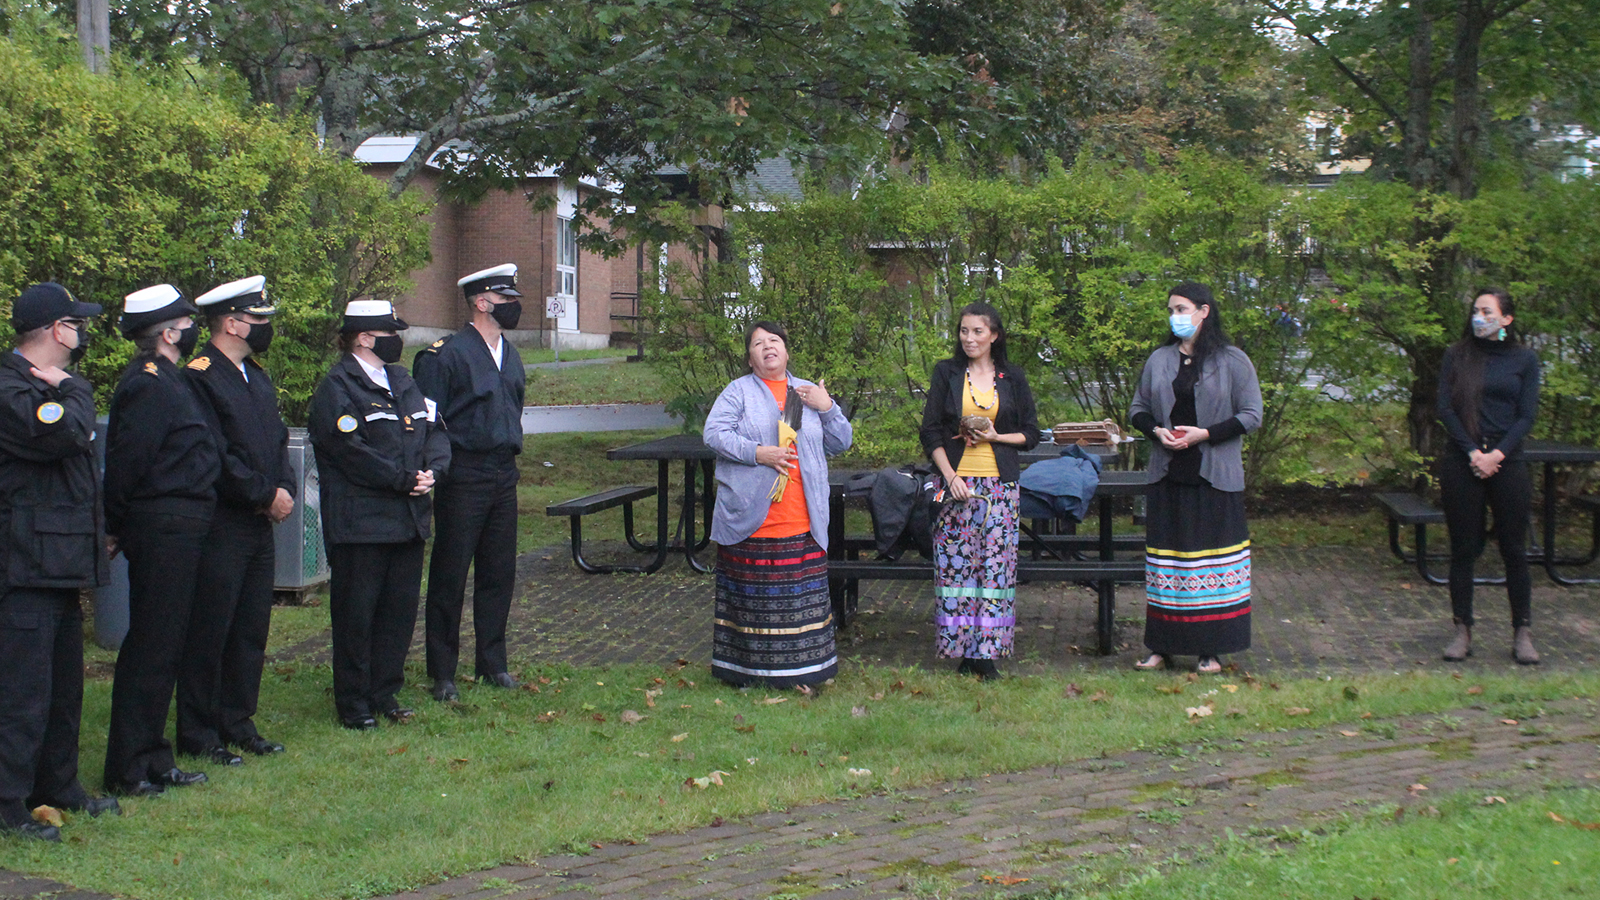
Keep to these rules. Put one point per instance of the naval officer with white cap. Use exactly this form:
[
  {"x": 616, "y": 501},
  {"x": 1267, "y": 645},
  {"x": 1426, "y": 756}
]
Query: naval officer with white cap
[
  {"x": 475, "y": 376},
  {"x": 380, "y": 448},
  {"x": 162, "y": 464},
  {"x": 219, "y": 681}
]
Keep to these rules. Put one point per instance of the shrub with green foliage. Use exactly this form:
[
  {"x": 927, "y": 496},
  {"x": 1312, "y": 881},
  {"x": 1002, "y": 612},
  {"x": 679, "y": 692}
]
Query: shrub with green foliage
[{"x": 121, "y": 181}]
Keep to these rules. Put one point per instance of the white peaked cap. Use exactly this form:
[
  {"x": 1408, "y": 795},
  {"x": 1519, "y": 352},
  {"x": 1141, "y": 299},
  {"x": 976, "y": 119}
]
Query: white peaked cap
[{"x": 151, "y": 299}]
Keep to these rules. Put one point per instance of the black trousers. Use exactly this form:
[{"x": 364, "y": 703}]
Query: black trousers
[
  {"x": 41, "y": 699},
  {"x": 475, "y": 524},
  {"x": 219, "y": 680},
  {"x": 1467, "y": 499},
  {"x": 372, "y": 597},
  {"x": 163, "y": 553}
]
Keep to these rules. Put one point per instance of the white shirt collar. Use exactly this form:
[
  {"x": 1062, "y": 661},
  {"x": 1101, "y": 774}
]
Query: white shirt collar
[{"x": 378, "y": 375}]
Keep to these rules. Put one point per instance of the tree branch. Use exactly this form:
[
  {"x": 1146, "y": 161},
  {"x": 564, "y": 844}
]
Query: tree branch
[{"x": 1356, "y": 78}]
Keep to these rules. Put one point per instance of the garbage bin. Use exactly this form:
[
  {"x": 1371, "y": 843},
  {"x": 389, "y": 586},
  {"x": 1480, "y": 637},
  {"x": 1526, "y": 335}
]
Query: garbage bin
[{"x": 302, "y": 557}]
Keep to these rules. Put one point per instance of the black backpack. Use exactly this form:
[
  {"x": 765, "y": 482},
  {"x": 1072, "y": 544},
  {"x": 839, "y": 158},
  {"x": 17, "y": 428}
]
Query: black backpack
[{"x": 903, "y": 510}]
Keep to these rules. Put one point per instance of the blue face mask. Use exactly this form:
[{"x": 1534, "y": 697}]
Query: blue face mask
[{"x": 1183, "y": 325}]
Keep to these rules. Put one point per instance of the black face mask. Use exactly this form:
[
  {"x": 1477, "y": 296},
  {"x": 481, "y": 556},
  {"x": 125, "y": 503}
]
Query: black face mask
[
  {"x": 84, "y": 340},
  {"x": 507, "y": 314},
  {"x": 388, "y": 347},
  {"x": 188, "y": 339},
  {"x": 259, "y": 338}
]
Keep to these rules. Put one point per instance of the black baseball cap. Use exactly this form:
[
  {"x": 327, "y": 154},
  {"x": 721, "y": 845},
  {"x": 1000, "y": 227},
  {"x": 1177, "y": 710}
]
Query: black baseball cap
[{"x": 47, "y": 302}]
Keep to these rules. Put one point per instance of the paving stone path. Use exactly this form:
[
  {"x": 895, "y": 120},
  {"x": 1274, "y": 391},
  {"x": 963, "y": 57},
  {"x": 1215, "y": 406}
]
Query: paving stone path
[
  {"x": 1320, "y": 610},
  {"x": 1027, "y": 831}
]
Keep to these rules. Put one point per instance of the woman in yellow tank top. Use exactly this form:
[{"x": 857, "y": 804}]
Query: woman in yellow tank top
[{"x": 975, "y": 538}]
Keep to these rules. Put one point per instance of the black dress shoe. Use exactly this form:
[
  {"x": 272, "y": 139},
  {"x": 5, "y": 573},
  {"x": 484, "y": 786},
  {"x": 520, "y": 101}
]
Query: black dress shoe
[
  {"x": 359, "y": 723},
  {"x": 37, "y": 831},
  {"x": 260, "y": 746},
  {"x": 137, "y": 789},
  {"x": 399, "y": 714},
  {"x": 444, "y": 690},
  {"x": 178, "y": 778},
  {"x": 221, "y": 756},
  {"x": 500, "y": 679},
  {"x": 98, "y": 806}
]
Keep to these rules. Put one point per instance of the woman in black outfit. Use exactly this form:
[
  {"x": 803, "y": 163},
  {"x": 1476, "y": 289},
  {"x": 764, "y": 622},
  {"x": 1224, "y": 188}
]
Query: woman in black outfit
[
  {"x": 1488, "y": 395},
  {"x": 380, "y": 447}
]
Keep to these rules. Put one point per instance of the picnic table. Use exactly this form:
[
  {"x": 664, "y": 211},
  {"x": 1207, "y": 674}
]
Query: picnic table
[{"x": 1411, "y": 510}]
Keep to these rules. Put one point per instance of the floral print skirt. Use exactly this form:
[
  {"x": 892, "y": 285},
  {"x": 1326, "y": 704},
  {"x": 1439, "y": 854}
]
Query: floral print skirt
[{"x": 975, "y": 571}]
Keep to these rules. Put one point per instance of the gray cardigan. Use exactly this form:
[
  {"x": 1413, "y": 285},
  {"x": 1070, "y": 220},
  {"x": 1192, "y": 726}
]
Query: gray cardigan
[
  {"x": 745, "y": 416},
  {"x": 1227, "y": 388}
]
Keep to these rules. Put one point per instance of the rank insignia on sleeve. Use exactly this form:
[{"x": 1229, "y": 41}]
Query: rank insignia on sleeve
[
  {"x": 150, "y": 369},
  {"x": 51, "y": 413},
  {"x": 347, "y": 424}
]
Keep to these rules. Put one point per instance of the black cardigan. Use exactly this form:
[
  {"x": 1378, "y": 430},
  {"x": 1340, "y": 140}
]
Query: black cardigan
[{"x": 941, "y": 415}]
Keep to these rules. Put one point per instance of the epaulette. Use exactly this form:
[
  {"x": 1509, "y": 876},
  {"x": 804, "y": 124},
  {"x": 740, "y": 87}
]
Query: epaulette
[
  {"x": 435, "y": 346},
  {"x": 199, "y": 363},
  {"x": 150, "y": 368}
]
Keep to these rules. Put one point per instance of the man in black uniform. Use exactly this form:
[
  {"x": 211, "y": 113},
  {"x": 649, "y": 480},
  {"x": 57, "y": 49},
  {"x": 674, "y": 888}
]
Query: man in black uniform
[
  {"x": 380, "y": 448},
  {"x": 219, "y": 680},
  {"x": 49, "y": 548},
  {"x": 161, "y": 475},
  {"x": 475, "y": 376}
]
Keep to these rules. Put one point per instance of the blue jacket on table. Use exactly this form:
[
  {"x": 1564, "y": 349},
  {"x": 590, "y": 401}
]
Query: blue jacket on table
[
  {"x": 481, "y": 405},
  {"x": 250, "y": 432},
  {"x": 49, "y": 490},
  {"x": 370, "y": 444}
]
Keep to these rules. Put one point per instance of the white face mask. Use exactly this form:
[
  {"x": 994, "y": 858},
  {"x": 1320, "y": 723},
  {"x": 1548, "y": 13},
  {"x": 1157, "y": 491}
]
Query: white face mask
[
  {"x": 1487, "y": 328},
  {"x": 1182, "y": 325}
]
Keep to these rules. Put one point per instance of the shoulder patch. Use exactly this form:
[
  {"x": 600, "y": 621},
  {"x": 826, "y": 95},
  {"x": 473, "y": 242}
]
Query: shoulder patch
[
  {"x": 199, "y": 363},
  {"x": 50, "y": 413},
  {"x": 151, "y": 369},
  {"x": 346, "y": 424}
]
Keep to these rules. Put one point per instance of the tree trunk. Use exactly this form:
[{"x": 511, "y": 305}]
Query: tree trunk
[
  {"x": 94, "y": 34},
  {"x": 1422, "y": 415},
  {"x": 1418, "y": 130},
  {"x": 1471, "y": 22}
]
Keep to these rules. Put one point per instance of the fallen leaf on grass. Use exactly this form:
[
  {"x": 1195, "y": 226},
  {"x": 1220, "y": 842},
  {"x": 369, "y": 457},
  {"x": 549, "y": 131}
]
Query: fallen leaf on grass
[
  {"x": 1416, "y": 788},
  {"x": 1350, "y": 733},
  {"x": 1508, "y": 721},
  {"x": 599, "y": 717},
  {"x": 543, "y": 680},
  {"x": 745, "y": 729},
  {"x": 1175, "y": 688},
  {"x": 1099, "y": 697},
  {"x": 1490, "y": 801},
  {"x": 630, "y": 717},
  {"x": 1296, "y": 711},
  {"x": 531, "y": 687},
  {"x": 546, "y": 718},
  {"x": 1588, "y": 826},
  {"x": 396, "y": 751},
  {"x": 679, "y": 738},
  {"x": 1072, "y": 692},
  {"x": 877, "y": 696},
  {"x": 1006, "y": 880},
  {"x": 1475, "y": 689},
  {"x": 714, "y": 778},
  {"x": 1231, "y": 688},
  {"x": 771, "y": 700},
  {"x": 1452, "y": 861},
  {"x": 1198, "y": 712},
  {"x": 49, "y": 815},
  {"x": 858, "y": 712},
  {"x": 859, "y": 773}
]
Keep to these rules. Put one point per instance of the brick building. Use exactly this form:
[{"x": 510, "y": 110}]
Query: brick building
[{"x": 508, "y": 227}]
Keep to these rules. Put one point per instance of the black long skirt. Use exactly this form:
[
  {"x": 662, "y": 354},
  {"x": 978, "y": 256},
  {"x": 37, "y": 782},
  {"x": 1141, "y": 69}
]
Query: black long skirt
[
  {"x": 1197, "y": 570},
  {"x": 774, "y": 620}
]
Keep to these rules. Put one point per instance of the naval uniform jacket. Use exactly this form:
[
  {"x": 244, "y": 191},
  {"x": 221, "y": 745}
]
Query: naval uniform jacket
[
  {"x": 159, "y": 446},
  {"x": 49, "y": 489},
  {"x": 244, "y": 414},
  {"x": 481, "y": 405},
  {"x": 370, "y": 445}
]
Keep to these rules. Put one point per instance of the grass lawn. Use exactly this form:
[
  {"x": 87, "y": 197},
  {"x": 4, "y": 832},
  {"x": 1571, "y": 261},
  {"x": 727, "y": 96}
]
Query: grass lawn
[
  {"x": 1468, "y": 851},
  {"x": 507, "y": 776}
]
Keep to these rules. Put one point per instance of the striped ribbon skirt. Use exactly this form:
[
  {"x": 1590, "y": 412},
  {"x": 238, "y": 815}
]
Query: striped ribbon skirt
[
  {"x": 975, "y": 572},
  {"x": 774, "y": 619},
  {"x": 1197, "y": 570}
]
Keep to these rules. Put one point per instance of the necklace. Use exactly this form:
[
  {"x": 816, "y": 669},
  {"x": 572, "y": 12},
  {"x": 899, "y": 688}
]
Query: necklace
[{"x": 973, "y": 393}]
